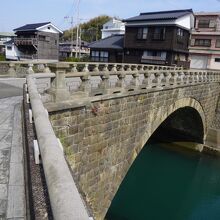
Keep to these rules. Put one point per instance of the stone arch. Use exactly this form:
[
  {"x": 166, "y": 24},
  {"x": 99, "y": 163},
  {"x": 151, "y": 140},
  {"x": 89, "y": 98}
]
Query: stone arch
[
  {"x": 159, "y": 115},
  {"x": 155, "y": 119}
]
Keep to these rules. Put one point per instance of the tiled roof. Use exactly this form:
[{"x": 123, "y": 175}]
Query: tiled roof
[
  {"x": 31, "y": 27},
  {"x": 112, "y": 42},
  {"x": 160, "y": 15}
]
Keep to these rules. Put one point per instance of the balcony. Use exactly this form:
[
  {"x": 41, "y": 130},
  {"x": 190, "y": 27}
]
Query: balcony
[{"x": 25, "y": 41}]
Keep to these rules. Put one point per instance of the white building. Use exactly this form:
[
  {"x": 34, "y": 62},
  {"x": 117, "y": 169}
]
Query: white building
[
  {"x": 112, "y": 27},
  {"x": 4, "y": 37},
  {"x": 11, "y": 51}
]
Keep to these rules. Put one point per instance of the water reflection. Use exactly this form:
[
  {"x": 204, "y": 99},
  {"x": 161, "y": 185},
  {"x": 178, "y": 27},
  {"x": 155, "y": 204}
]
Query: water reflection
[{"x": 168, "y": 184}]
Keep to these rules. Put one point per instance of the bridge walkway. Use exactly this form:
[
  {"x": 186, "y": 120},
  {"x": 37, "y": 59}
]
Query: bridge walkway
[{"x": 12, "y": 190}]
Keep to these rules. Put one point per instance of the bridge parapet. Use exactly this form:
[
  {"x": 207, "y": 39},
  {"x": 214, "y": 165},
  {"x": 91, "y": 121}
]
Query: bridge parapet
[{"x": 89, "y": 80}]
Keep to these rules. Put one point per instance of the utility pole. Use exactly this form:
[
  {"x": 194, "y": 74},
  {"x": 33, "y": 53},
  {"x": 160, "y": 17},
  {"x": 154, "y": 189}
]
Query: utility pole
[
  {"x": 77, "y": 30},
  {"x": 71, "y": 28}
]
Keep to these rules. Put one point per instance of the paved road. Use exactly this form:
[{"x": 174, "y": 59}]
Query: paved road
[
  {"x": 11, "y": 87},
  {"x": 12, "y": 196}
]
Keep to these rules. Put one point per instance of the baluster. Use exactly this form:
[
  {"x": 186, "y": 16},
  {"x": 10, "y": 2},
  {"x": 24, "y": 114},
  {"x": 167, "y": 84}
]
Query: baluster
[
  {"x": 147, "y": 80},
  {"x": 200, "y": 77},
  {"x": 105, "y": 82},
  {"x": 195, "y": 77},
  {"x": 173, "y": 78},
  {"x": 46, "y": 69},
  {"x": 121, "y": 80},
  {"x": 86, "y": 68},
  {"x": 11, "y": 70},
  {"x": 105, "y": 68},
  {"x": 166, "y": 78},
  {"x": 204, "y": 76},
  {"x": 114, "y": 68},
  {"x": 186, "y": 77},
  {"x": 191, "y": 79},
  {"x": 135, "y": 80},
  {"x": 158, "y": 77},
  {"x": 179, "y": 79},
  {"x": 128, "y": 68},
  {"x": 85, "y": 86},
  {"x": 30, "y": 68},
  {"x": 74, "y": 68},
  {"x": 96, "y": 68}
]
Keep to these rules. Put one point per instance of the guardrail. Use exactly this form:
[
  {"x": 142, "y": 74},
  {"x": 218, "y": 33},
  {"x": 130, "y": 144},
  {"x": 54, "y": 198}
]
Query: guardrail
[{"x": 65, "y": 199}]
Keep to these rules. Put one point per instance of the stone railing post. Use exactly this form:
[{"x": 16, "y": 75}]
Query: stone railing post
[
  {"x": 196, "y": 77},
  {"x": 12, "y": 70},
  {"x": 59, "y": 88},
  {"x": 135, "y": 80}
]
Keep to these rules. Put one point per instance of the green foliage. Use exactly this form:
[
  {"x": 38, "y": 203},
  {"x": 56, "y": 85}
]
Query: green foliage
[
  {"x": 85, "y": 58},
  {"x": 90, "y": 31},
  {"x": 2, "y": 57}
]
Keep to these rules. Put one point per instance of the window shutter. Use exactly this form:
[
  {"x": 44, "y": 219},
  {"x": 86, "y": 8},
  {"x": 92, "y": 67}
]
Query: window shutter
[{"x": 192, "y": 42}]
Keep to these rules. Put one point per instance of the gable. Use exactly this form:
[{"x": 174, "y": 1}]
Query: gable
[{"x": 49, "y": 28}]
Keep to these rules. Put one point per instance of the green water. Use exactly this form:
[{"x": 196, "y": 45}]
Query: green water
[{"x": 169, "y": 185}]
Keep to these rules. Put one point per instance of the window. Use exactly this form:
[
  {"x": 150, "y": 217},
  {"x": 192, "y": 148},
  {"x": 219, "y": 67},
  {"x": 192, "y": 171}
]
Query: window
[
  {"x": 103, "y": 56},
  {"x": 154, "y": 55},
  {"x": 203, "y": 42},
  {"x": 217, "y": 59},
  {"x": 159, "y": 33},
  {"x": 9, "y": 47},
  {"x": 217, "y": 44},
  {"x": 180, "y": 32},
  {"x": 203, "y": 23},
  {"x": 99, "y": 56},
  {"x": 42, "y": 38},
  {"x": 142, "y": 33}
]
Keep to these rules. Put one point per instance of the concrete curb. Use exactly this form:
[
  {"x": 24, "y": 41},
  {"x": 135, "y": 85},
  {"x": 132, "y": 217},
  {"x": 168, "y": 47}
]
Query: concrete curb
[{"x": 65, "y": 199}]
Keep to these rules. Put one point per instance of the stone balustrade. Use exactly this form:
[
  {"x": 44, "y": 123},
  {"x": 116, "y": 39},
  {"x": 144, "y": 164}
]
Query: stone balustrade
[
  {"x": 94, "y": 79},
  {"x": 91, "y": 79}
]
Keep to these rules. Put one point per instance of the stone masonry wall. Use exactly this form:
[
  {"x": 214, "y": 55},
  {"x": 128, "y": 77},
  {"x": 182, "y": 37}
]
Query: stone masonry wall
[{"x": 102, "y": 140}]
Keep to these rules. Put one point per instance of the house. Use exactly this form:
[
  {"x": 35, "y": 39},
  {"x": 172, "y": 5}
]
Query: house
[
  {"x": 69, "y": 49},
  {"x": 205, "y": 41},
  {"x": 4, "y": 37},
  {"x": 113, "y": 27},
  {"x": 159, "y": 38},
  {"x": 36, "y": 41},
  {"x": 109, "y": 49},
  {"x": 11, "y": 51}
]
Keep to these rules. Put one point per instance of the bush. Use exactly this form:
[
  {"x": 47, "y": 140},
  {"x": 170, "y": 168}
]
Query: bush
[{"x": 2, "y": 57}]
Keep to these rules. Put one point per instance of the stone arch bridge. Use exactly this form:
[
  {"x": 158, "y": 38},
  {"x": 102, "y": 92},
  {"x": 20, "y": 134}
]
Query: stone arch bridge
[{"x": 104, "y": 114}]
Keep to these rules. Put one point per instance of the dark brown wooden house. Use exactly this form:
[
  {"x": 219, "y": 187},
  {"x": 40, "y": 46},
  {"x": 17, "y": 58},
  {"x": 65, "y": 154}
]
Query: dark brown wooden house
[
  {"x": 158, "y": 38},
  {"x": 37, "y": 41}
]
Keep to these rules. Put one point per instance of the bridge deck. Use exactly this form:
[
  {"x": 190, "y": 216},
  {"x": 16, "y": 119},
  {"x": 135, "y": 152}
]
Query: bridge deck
[{"x": 12, "y": 192}]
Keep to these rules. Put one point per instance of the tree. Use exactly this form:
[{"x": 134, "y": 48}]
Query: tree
[{"x": 90, "y": 31}]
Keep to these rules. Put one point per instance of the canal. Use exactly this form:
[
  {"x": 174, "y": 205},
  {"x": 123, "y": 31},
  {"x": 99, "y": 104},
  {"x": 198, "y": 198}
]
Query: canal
[{"x": 169, "y": 184}]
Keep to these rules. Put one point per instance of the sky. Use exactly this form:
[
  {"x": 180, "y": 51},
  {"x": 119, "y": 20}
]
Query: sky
[{"x": 16, "y": 13}]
